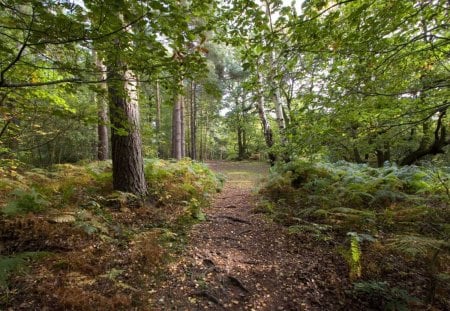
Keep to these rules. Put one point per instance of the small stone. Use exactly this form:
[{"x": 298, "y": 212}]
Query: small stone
[{"x": 63, "y": 218}]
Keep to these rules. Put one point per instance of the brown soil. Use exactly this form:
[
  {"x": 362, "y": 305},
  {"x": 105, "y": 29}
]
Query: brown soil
[{"x": 239, "y": 260}]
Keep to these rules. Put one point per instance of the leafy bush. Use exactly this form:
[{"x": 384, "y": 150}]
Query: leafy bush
[
  {"x": 380, "y": 294},
  {"x": 26, "y": 201},
  {"x": 183, "y": 181},
  {"x": 65, "y": 185},
  {"x": 405, "y": 209},
  {"x": 353, "y": 196},
  {"x": 13, "y": 264}
]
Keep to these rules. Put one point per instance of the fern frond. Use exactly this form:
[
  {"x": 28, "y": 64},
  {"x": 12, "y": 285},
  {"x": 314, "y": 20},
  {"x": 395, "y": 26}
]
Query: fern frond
[
  {"x": 414, "y": 245},
  {"x": 12, "y": 264}
]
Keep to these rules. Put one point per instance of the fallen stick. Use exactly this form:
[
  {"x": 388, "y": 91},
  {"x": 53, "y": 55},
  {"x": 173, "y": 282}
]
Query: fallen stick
[
  {"x": 234, "y": 281},
  {"x": 208, "y": 296},
  {"x": 235, "y": 219}
]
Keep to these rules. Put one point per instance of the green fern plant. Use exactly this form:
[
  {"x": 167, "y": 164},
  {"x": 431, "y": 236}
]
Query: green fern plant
[
  {"x": 26, "y": 201},
  {"x": 418, "y": 246},
  {"x": 319, "y": 231},
  {"x": 16, "y": 263},
  {"x": 353, "y": 253},
  {"x": 380, "y": 294},
  {"x": 172, "y": 182},
  {"x": 429, "y": 250}
]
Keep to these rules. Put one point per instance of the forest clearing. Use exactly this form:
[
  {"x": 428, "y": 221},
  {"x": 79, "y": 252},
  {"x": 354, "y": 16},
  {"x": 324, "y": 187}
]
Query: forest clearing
[{"x": 224, "y": 155}]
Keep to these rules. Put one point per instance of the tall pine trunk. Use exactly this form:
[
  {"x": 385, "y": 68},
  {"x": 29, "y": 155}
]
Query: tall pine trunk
[
  {"x": 102, "y": 112},
  {"x": 158, "y": 119},
  {"x": 128, "y": 164},
  {"x": 193, "y": 121},
  {"x": 177, "y": 141},
  {"x": 182, "y": 128},
  {"x": 126, "y": 143}
]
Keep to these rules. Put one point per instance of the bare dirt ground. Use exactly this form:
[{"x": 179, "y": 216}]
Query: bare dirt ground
[{"x": 239, "y": 260}]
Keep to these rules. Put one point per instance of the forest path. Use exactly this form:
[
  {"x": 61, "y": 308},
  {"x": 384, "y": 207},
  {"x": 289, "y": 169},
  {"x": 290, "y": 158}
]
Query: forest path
[{"x": 239, "y": 260}]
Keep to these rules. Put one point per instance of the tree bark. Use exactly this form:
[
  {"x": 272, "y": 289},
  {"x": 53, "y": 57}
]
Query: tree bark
[
  {"x": 267, "y": 131},
  {"x": 182, "y": 127},
  {"x": 193, "y": 121},
  {"x": 276, "y": 93},
  {"x": 158, "y": 120},
  {"x": 127, "y": 159},
  {"x": 436, "y": 147},
  {"x": 241, "y": 151},
  {"x": 383, "y": 155},
  {"x": 128, "y": 164},
  {"x": 102, "y": 111},
  {"x": 176, "y": 128}
]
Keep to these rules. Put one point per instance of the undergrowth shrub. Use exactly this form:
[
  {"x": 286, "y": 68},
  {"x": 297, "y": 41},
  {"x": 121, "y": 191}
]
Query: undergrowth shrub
[
  {"x": 26, "y": 201},
  {"x": 16, "y": 263},
  {"x": 185, "y": 181},
  {"x": 105, "y": 244},
  {"x": 64, "y": 185},
  {"x": 382, "y": 295},
  {"x": 404, "y": 209},
  {"x": 349, "y": 195}
]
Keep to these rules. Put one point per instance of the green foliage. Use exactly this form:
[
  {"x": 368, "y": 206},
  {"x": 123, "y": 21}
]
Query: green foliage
[
  {"x": 419, "y": 246},
  {"x": 353, "y": 254},
  {"x": 16, "y": 263},
  {"x": 319, "y": 231},
  {"x": 357, "y": 195},
  {"x": 26, "y": 201},
  {"x": 63, "y": 186},
  {"x": 404, "y": 209},
  {"x": 185, "y": 181},
  {"x": 381, "y": 294}
]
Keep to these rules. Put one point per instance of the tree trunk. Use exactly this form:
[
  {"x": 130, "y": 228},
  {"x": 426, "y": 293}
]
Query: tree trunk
[
  {"x": 280, "y": 116},
  {"x": 438, "y": 144},
  {"x": 244, "y": 143},
  {"x": 276, "y": 93},
  {"x": 357, "y": 156},
  {"x": 267, "y": 131},
  {"x": 176, "y": 129},
  {"x": 158, "y": 120},
  {"x": 205, "y": 139},
  {"x": 201, "y": 143},
  {"x": 182, "y": 128},
  {"x": 128, "y": 165},
  {"x": 193, "y": 116},
  {"x": 383, "y": 155},
  {"x": 102, "y": 111},
  {"x": 241, "y": 151}
]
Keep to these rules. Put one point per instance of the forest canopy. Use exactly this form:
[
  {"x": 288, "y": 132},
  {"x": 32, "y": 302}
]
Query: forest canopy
[{"x": 363, "y": 81}]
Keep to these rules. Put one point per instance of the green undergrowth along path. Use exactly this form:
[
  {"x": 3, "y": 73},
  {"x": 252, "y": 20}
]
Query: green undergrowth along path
[
  {"x": 391, "y": 224},
  {"x": 105, "y": 249}
]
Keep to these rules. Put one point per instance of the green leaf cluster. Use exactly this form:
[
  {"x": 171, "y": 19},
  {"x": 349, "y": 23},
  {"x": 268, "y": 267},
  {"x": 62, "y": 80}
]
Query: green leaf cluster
[
  {"x": 16, "y": 263},
  {"x": 182, "y": 181}
]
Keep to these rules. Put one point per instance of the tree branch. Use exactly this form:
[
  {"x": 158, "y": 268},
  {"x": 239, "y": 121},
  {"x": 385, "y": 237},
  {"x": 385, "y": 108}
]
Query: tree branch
[
  {"x": 34, "y": 84},
  {"x": 436, "y": 147},
  {"x": 4, "y": 128},
  {"x": 19, "y": 54}
]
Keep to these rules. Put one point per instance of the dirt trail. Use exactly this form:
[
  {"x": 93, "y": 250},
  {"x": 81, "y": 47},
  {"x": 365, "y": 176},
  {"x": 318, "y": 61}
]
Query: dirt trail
[{"x": 238, "y": 260}]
